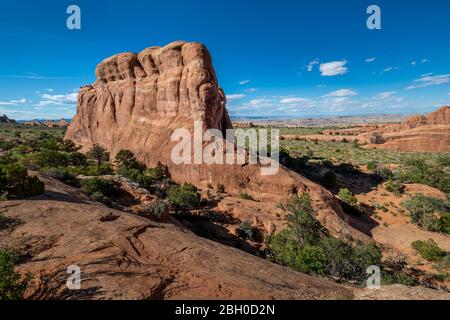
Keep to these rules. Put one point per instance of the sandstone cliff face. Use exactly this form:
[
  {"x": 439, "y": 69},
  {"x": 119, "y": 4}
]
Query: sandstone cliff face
[{"x": 137, "y": 102}]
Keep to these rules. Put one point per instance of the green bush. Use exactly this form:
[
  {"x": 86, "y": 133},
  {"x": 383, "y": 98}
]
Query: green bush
[
  {"x": 61, "y": 174},
  {"x": 159, "y": 173},
  {"x": 12, "y": 284},
  {"x": 307, "y": 247},
  {"x": 125, "y": 160},
  {"x": 100, "y": 188},
  {"x": 95, "y": 170},
  {"x": 183, "y": 198},
  {"x": 429, "y": 250},
  {"x": 347, "y": 196},
  {"x": 246, "y": 230},
  {"x": 428, "y": 213},
  {"x": 98, "y": 154},
  {"x": 432, "y": 173},
  {"x": 372, "y": 165},
  {"x": 246, "y": 196},
  {"x": 16, "y": 184},
  {"x": 395, "y": 187},
  {"x": 328, "y": 178},
  {"x": 383, "y": 172}
]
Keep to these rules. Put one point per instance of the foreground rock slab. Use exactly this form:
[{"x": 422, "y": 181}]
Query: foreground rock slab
[{"x": 122, "y": 256}]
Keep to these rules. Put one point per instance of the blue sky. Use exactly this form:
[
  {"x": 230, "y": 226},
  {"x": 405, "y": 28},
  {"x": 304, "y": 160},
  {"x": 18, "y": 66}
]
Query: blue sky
[{"x": 287, "y": 58}]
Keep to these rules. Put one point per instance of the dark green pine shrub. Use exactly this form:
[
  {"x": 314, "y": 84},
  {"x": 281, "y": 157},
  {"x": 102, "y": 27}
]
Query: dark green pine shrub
[
  {"x": 348, "y": 197},
  {"x": 100, "y": 190},
  {"x": 395, "y": 187},
  {"x": 183, "y": 198},
  {"x": 307, "y": 247},
  {"x": 429, "y": 250},
  {"x": 12, "y": 284},
  {"x": 15, "y": 183},
  {"x": 429, "y": 213}
]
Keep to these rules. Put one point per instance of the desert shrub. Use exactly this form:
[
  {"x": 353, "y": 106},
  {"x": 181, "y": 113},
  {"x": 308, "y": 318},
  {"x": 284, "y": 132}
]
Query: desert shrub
[
  {"x": 428, "y": 213},
  {"x": 349, "y": 261},
  {"x": 307, "y": 247},
  {"x": 347, "y": 196},
  {"x": 125, "y": 160},
  {"x": 389, "y": 277},
  {"x": 49, "y": 158},
  {"x": 99, "y": 188},
  {"x": 77, "y": 159},
  {"x": 372, "y": 165},
  {"x": 98, "y": 154},
  {"x": 183, "y": 198},
  {"x": 395, "y": 187},
  {"x": 15, "y": 183},
  {"x": 160, "y": 209},
  {"x": 429, "y": 250},
  {"x": 246, "y": 196},
  {"x": 429, "y": 172},
  {"x": 159, "y": 173},
  {"x": 328, "y": 178},
  {"x": 220, "y": 188},
  {"x": 12, "y": 284},
  {"x": 245, "y": 230},
  {"x": 95, "y": 170},
  {"x": 61, "y": 174},
  {"x": 377, "y": 138},
  {"x": 301, "y": 219},
  {"x": 383, "y": 172}
]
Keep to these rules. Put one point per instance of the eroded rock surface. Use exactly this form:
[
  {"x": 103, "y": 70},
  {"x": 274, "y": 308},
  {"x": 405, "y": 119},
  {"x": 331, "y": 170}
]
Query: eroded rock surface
[
  {"x": 139, "y": 100},
  {"x": 122, "y": 256}
]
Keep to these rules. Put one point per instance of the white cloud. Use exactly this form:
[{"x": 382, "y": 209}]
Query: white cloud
[
  {"x": 50, "y": 90},
  {"x": 427, "y": 74},
  {"x": 413, "y": 63},
  {"x": 386, "y": 95},
  {"x": 371, "y": 59},
  {"x": 292, "y": 100},
  {"x": 425, "y": 60},
  {"x": 244, "y": 82},
  {"x": 250, "y": 90},
  {"x": 13, "y": 102},
  {"x": 311, "y": 65},
  {"x": 334, "y": 68},
  {"x": 430, "y": 81},
  {"x": 232, "y": 97},
  {"x": 342, "y": 93},
  {"x": 58, "y": 99}
]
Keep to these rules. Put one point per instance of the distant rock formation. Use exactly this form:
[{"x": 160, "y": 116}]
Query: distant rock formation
[
  {"x": 48, "y": 123},
  {"x": 4, "y": 119},
  {"x": 137, "y": 102},
  {"x": 418, "y": 133}
]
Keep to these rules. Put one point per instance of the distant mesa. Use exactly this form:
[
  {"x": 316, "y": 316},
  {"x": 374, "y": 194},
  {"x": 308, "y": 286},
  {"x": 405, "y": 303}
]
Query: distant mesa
[
  {"x": 48, "y": 123},
  {"x": 418, "y": 133},
  {"x": 4, "y": 119},
  {"x": 138, "y": 100}
]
